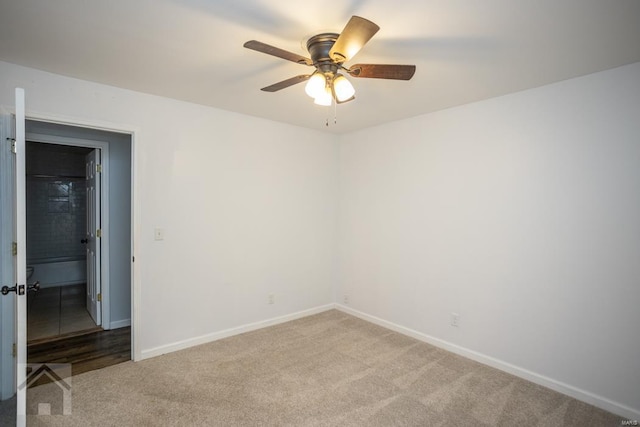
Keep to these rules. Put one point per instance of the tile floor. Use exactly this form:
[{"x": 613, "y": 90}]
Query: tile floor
[{"x": 57, "y": 311}]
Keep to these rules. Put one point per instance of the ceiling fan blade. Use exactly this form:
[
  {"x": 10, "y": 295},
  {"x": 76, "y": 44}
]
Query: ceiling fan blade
[
  {"x": 383, "y": 71},
  {"x": 356, "y": 34},
  {"x": 286, "y": 83},
  {"x": 274, "y": 51}
]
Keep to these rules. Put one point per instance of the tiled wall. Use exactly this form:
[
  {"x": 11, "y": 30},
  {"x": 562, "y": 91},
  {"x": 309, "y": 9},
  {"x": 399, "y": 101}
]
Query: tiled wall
[{"x": 56, "y": 201}]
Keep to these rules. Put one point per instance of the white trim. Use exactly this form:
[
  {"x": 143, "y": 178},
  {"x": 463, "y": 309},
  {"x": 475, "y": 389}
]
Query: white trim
[
  {"x": 20, "y": 271},
  {"x": 576, "y": 393},
  {"x": 203, "y": 339},
  {"x": 136, "y": 291},
  {"x": 78, "y": 122},
  {"x": 103, "y": 146},
  {"x": 120, "y": 324}
]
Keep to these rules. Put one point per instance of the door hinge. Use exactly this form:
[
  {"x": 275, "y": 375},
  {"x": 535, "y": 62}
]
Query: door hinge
[
  {"x": 14, "y": 248},
  {"x": 98, "y": 233},
  {"x": 98, "y": 168},
  {"x": 14, "y": 350},
  {"x": 99, "y": 297},
  {"x": 13, "y": 145}
]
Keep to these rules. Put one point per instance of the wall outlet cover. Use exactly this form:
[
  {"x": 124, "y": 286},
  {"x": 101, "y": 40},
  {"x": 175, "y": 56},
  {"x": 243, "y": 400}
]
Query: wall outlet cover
[{"x": 455, "y": 319}]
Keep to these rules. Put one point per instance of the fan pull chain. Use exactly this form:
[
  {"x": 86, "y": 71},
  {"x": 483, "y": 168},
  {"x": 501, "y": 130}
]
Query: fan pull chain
[{"x": 335, "y": 115}]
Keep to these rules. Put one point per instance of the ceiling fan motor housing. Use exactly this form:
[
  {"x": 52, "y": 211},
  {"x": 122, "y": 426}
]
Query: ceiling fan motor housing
[{"x": 319, "y": 47}]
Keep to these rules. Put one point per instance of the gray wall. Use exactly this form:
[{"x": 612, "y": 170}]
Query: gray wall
[
  {"x": 119, "y": 209},
  {"x": 56, "y": 202}
]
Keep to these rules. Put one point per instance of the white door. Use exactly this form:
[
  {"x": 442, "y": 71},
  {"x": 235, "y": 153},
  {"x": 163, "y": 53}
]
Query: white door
[
  {"x": 93, "y": 236},
  {"x": 20, "y": 271}
]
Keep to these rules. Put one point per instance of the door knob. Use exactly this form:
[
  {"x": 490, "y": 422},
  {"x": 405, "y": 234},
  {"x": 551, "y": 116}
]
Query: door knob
[
  {"x": 5, "y": 289},
  {"x": 84, "y": 241},
  {"x": 20, "y": 289},
  {"x": 17, "y": 289}
]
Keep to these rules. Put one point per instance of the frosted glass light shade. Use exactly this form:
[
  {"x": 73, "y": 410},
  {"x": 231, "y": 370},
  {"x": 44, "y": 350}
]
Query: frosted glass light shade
[
  {"x": 316, "y": 85},
  {"x": 343, "y": 88},
  {"x": 324, "y": 98}
]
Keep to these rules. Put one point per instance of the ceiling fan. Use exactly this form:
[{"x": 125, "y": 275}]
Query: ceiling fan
[{"x": 329, "y": 52}]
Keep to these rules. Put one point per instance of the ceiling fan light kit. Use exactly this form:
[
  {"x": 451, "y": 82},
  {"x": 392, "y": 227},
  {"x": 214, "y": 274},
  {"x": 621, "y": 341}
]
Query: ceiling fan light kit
[
  {"x": 343, "y": 88},
  {"x": 324, "y": 98},
  {"x": 315, "y": 85},
  {"x": 320, "y": 85},
  {"x": 329, "y": 52}
]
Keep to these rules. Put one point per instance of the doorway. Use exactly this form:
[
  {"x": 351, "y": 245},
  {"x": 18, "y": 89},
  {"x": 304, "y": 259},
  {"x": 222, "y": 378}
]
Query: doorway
[
  {"x": 119, "y": 240},
  {"x": 77, "y": 296},
  {"x": 58, "y": 218}
]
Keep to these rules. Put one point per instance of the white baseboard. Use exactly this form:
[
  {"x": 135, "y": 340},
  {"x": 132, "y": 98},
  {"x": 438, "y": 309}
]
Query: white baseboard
[
  {"x": 120, "y": 324},
  {"x": 181, "y": 345},
  {"x": 576, "y": 393}
]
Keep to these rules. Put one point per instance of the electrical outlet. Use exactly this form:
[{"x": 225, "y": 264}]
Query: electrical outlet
[
  {"x": 345, "y": 299},
  {"x": 272, "y": 299},
  {"x": 455, "y": 319}
]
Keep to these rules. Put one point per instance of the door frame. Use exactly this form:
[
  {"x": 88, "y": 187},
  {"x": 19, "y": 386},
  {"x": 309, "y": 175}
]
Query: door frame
[
  {"x": 6, "y": 330},
  {"x": 133, "y": 132},
  {"x": 104, "y": 209}
]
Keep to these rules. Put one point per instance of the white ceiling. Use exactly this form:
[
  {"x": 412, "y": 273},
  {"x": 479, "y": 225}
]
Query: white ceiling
[{"x": 192, "y": 50}]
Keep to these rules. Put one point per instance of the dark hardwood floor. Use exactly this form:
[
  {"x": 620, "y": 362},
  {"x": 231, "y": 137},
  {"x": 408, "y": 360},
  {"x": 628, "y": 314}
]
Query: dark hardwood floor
[{"x": 85, "y": 352}]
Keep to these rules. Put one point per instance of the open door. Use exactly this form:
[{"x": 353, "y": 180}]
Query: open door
[
  {"x": 18, "y": 289},
  {"x": 21, "y": 264},
  {"x": 92, "y": 239}
]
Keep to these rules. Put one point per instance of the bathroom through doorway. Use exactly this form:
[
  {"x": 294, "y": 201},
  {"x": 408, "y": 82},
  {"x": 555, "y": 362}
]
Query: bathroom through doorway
[{"x": 78, "y": 230}]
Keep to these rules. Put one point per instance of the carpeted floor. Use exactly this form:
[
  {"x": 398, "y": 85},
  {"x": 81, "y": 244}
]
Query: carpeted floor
[{"x": 330, "y": 369}]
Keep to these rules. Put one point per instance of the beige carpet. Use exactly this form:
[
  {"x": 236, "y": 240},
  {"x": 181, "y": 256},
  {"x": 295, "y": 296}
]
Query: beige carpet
[{"x": 330, "y": 369}]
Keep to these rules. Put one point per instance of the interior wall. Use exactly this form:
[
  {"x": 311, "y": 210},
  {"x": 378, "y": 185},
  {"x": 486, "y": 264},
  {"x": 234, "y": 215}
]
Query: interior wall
[
  {"x": 120, "y": 230},
  {"x": 119, "y": 211},
  {"x": 519, "y": 213},
  {"x": 247, "y": 206}
]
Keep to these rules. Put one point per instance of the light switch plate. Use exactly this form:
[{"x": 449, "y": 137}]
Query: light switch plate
[{"x": 158, "y": 234}]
